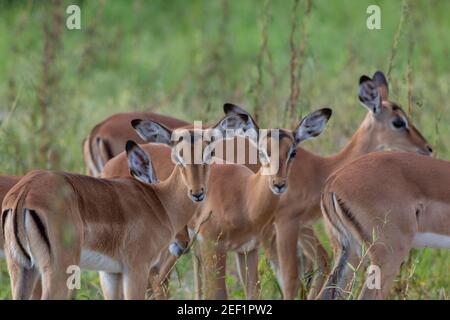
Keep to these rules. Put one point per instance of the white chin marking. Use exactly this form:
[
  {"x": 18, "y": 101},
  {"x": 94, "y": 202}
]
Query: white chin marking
[
  {"x": 95, "y": 261},
  {"x": 431, "y": 240}
]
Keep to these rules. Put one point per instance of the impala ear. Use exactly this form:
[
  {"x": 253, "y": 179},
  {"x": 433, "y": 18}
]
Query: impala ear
[
  {"x": 369, "y": 95},
  {"x": 139, "y": 163},
  {"x": 233, "y": 124},
  {"x": 229, "y": 108},
  {"x": 381, "y": 83},
  {"x": 152, "y": 131},
  {"x": 312, "y": 125}
]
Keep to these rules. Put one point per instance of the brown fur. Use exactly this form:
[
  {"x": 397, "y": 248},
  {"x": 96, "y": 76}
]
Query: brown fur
[
  {"x": 414, "y": 197},
  {"x": 107, "y": 139}
]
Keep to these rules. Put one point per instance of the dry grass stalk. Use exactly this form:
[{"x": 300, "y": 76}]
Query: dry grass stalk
[
  {"x": 260, "y": 61},
  {"x": 297, "y": 60},
  {"x": 398, "y": 33},
  {"x": 53, "y": 28}
]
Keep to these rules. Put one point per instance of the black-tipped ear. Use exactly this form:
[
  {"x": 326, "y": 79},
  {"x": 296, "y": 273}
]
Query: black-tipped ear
[
  {"x": 152, "y": 131},
  {"x": 312, "y": 125},
  {"x": 232, "y": 108},
  {"x": 237, "y": 124},
  {"x": 382, "y": 84},
  {"x": 364, "y": 78},
  {"x": 135, "y": 123},
  {"x": 130, "y": 145},
  {"x": 139, "y": 163}
]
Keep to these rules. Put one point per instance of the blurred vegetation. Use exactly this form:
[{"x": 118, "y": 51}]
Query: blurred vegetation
[{"x": 280, "y": 59}]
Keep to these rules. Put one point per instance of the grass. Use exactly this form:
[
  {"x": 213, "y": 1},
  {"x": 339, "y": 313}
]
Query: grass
[{"x": 187, "y": 59}]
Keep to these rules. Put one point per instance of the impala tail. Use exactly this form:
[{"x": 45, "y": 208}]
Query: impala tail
[
  {"x": 337, "y": 218},
  {"x": 25, "y": 236},
  {"x": 96, "y": 152}
]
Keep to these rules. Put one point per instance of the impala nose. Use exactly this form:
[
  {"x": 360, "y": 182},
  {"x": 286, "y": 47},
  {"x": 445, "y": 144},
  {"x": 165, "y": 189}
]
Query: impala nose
[
  {"x": 279, "y": 188},
  {"x": 199, "y": 197}
]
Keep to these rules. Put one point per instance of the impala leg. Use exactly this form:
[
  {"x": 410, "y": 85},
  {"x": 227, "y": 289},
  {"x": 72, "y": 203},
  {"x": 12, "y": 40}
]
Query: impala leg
[
  {"x": 314, "y": 251},
  {"x": 247, "y": 264},
  {"x": 164, "y": 276},
  {"x": 23, "y": 279},
  {"x": 111, "y": 284},
  {"x": 338, "y": 281},
  {"x": 389, "y": 260},
  {"x": 37, "y": 292},
  {"x": 214, "y": 262},
  {"x": 269, "y": 243},
  {"x": 197, "y": 267},
  {"x": 135, "y": 282},
  {"x": 54, "y": 284},
  {"x": 287, "y": 235}
]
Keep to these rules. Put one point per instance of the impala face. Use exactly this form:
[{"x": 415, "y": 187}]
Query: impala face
[
  {"x": 400, "y": 133},
  {"x": 277, "y": 147},
  {"x": 189, "y": 154},
  {"x": 390, "y": 125},
  {"x": 277, "y": 158}
]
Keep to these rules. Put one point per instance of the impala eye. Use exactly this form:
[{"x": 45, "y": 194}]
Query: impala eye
[{"x": 399, "y": 123}]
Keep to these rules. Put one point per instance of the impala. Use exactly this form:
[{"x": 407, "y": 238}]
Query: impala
[
  {"x": 163, "y": 165},
  {"x": 411, "y": 209},
  {"x": 240, "y": 203},
  {"x": 6, "y": 183},
  {"x": 107, "y": 138},
  {"x": 385, "y": 126},
  {"x": 53, "y": 220}
]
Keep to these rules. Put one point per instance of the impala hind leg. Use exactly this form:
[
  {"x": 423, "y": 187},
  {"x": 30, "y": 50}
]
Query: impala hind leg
[
  {"x": 247, "y": 264},
  {"x": 23, "y": 279},
  {"x": 286, "y": 237},
  {"x": 111, "y": 284},
  {"x": 314, "y": 251},
  {"x": 37, "y": 292},
  {"x": 338, "y": 281},
  {"x": 53, "y": 262},
  {"x": 388, "y": 260}
]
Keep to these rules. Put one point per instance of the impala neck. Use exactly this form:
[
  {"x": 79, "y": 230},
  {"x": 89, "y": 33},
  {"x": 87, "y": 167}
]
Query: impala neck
[
  {"x": 263, "y": 201},
  {"x": 361, "y": 143},
  {"x": 174, "y": 197}
]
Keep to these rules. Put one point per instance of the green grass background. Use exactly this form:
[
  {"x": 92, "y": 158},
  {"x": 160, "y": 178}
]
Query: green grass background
[{"x": 186, "y": 58}]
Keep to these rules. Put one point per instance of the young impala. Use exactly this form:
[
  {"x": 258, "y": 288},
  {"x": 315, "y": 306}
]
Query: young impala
[
  {"x": 107, "y": 138},
  {"x": 385, "y": 126},
  {"x": 53, "y": 220},
  {"x": 391, "y": 203},
  {"x": 6, "y": 183},
  {"x": 240, "y": 203}
]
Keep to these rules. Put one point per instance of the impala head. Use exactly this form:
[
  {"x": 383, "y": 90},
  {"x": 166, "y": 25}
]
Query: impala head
[
  {"x": 277, "y": 147},
  {"x": 192, "y": 149},
  {"x": 389, "y": 125}
]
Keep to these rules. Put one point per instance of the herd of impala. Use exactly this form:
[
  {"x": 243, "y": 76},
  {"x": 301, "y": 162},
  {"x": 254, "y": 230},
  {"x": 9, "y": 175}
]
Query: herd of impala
[{"x": 155, "y": 188}]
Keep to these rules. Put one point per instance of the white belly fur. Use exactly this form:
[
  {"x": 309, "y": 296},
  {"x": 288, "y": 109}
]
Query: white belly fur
[
  {"x": 95, "y": 261},
  {"x": 431, "y": 240}
]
